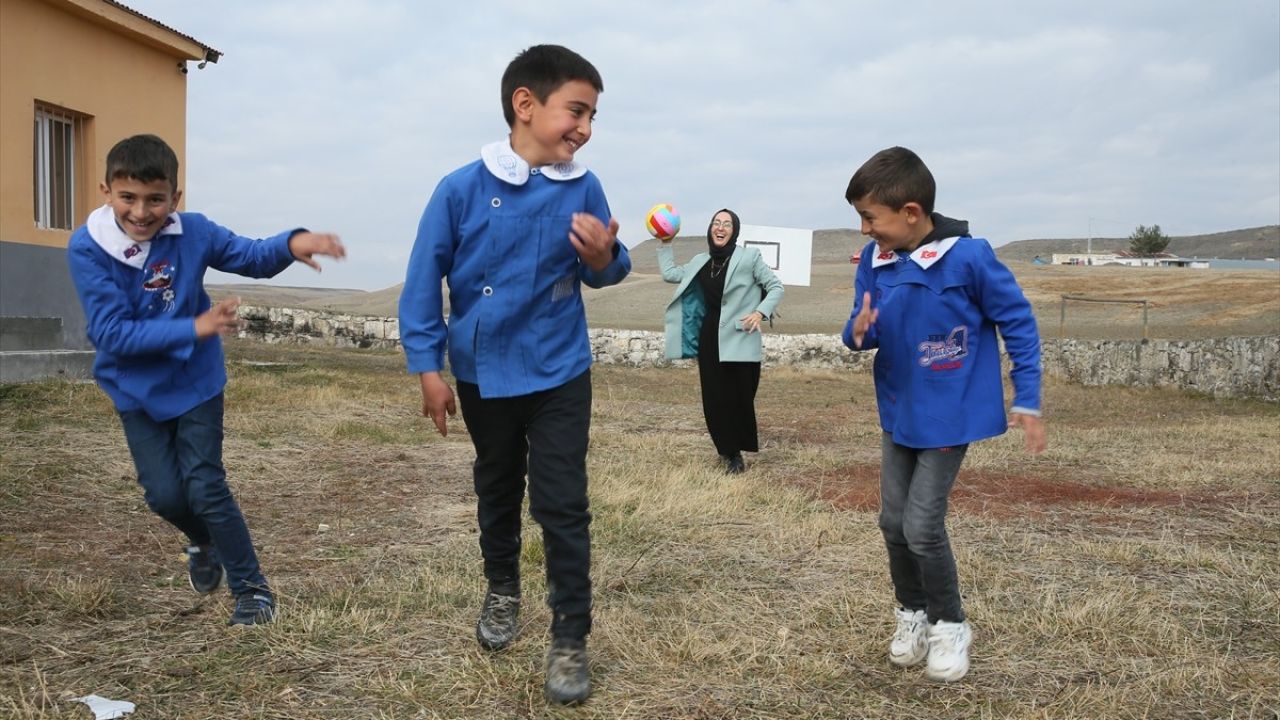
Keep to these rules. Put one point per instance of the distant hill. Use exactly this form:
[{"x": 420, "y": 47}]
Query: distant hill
[
  {"x": 1258, "y": 243},
  {"x": 357, "y": 302}
]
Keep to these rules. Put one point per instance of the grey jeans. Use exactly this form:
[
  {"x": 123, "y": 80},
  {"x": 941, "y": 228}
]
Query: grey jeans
[{"x": 914, "y": 487}]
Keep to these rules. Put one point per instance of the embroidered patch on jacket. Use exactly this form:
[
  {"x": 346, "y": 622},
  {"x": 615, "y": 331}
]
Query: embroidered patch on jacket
[
  {"x": 941, "y": 352},
  {"x": 160, "y": 280}
]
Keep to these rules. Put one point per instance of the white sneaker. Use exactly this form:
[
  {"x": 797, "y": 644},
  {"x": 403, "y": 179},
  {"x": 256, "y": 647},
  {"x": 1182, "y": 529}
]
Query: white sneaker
[
  {"x": 948, "y": 651},
  {"x": 910, "y": 644}
]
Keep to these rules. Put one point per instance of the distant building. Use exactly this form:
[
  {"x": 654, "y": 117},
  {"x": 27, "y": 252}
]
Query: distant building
[
  {"x": 73, "y": 74},
  {"x": 1129, "y": 259}
]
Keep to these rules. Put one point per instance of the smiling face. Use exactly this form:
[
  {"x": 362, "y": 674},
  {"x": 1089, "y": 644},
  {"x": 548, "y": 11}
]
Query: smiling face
[
  {"x": 546, "y": 133},
  {"x": 892, "y": 230},
  {"x": 140, "y": 208},
  {"x": 721, "y": 228}
]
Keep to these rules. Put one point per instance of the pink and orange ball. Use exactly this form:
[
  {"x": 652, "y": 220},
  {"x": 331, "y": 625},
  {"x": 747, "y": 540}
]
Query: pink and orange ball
[{"x": 663, "y": 221}]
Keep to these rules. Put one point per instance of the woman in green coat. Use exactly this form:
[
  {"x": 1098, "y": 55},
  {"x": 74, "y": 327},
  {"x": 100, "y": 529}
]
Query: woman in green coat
[{"x": 723, "y": 297}]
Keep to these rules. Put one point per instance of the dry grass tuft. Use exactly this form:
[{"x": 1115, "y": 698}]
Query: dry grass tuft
[{"x": 1128, "y": 572}]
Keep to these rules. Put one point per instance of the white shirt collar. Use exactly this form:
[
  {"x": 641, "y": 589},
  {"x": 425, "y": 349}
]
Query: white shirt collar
[
  {"x": 107, "y": 234},
  {"x": 924, "y": 256},
  {"x": 507, "y": 166}
]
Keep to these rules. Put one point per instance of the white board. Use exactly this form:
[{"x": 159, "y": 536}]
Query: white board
[{"x": 788, "y": 251}]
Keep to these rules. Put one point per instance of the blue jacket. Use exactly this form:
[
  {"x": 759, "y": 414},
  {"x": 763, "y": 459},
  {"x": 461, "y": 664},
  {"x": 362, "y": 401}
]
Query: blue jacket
[
  {"x": 140, "y": 303},
  {"x": 747, "y": 275},
  {"x": 498, "y": 232},
  {"x": 937, "y": 369}
]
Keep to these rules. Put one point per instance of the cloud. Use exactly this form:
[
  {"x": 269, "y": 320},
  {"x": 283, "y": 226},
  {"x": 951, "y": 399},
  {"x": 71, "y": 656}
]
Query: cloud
[{"x": 1037, "y": 120}]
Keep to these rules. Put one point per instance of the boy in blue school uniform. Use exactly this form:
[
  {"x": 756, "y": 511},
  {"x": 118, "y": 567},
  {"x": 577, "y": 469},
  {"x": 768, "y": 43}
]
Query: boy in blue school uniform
[
  {"x": 930, "y": 298},
  {"x": 517, "y": 233},
  {"x": 138, "y": 266}
]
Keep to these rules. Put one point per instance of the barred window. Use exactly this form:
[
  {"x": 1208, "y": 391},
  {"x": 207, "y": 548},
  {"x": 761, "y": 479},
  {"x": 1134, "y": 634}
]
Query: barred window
[{"x": 58, "y": 138}]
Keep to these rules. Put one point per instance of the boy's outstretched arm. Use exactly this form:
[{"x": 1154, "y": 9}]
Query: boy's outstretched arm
[
  {"x": 437, "y": 399},
  {"x": 1032, "y": 431},
  {"x": 304, "y": 245}
]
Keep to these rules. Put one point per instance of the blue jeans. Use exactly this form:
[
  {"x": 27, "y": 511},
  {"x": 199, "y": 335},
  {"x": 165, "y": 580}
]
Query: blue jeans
[
  {"x": 914, "y": 487},
  {"x": 179, "y": 464},
  {"x": 544, "y": 435}
]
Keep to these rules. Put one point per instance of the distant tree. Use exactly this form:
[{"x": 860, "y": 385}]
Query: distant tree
[{"x": 1148, "y": 241}]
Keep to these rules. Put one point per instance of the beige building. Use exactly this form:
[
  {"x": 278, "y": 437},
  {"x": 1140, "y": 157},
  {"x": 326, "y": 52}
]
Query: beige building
[{"x": 76, "y": 76}]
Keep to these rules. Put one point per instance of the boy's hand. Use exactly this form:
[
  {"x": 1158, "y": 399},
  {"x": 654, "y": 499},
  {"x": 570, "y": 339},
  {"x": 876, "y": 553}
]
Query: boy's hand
[
  {"x": 865, "y": 319},
  {"x": 219, "y": 319},
  {"x": 305, "y": 244},
  {"x": 593, "y": 241},
  {"x": 1032, "y": 431},
  {"x": 437, "y": 399}
]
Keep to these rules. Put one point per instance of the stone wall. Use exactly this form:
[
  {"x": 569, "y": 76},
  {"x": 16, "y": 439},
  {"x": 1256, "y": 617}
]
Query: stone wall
[{"x": 1221, "y": 367}]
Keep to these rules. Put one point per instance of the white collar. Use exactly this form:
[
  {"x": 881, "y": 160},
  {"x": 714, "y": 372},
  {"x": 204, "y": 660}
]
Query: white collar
[
  {"x": 107, "y": 234},
  {"x": 924, "y": 256},
  {"x": 509, "y": 167}
]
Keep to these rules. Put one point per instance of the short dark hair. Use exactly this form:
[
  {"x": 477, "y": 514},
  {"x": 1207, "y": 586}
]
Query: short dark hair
[
  {"x": 146, "y": 158},
  {"x": 893, "y": 178},
  {"x": 543, "y": 69}
]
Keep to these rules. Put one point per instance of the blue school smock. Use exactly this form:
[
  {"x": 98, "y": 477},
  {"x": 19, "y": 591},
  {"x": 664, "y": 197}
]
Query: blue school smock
[
  {"x": 937, "y": 365},
  {"x": 498, "y": 232},
  {"x": 141, "y": 300}
]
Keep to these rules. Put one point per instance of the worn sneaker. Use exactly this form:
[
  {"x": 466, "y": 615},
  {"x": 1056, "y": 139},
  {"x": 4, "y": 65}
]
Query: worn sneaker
[
  {"x": 568, "y": 680},
  {"x": 948, "y": 651},
  {"x": 497, "y": 625},
  {"x": 910, "y": 644},
  {"x": 256, "y": 607},
  {"x": 203, "y": 569}
]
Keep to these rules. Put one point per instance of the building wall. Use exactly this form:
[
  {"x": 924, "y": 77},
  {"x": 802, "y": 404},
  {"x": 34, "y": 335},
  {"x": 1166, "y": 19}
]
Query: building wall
[
  {"x": 97, "y": 60},
  {"x": 37, "y": 284}
]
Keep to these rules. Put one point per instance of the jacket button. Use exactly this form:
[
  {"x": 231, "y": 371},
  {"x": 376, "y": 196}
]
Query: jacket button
[
  {"x": 487, "y": 291},
  {"x": 496, "y": 202}
]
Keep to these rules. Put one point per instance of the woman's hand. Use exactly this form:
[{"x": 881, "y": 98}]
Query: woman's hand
[{"x": 751, "y": 321}]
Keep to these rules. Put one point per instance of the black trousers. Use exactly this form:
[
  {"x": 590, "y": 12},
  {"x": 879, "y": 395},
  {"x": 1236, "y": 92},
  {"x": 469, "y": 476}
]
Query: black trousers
[
  {"x": 543, "y": 435},
  {"x": 729, "y": 402}
]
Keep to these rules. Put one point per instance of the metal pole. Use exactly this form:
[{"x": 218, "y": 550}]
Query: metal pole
[{"x": 1062, "y": 318}]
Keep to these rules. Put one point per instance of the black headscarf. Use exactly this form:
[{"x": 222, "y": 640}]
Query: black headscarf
[{"x": 719, "y": 252}]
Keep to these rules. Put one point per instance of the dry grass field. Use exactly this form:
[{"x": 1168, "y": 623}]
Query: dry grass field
[{"x": 1129, "y": 572}]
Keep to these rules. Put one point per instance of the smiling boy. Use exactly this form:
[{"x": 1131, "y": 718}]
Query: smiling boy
[
  {"x": 138, "y": 266},
  {"x": 930, "y": 299},
  {"x": 516, "y": 234}
]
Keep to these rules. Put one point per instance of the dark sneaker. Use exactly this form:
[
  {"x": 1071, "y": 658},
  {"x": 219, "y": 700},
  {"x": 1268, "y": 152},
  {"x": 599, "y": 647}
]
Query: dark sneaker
[
  {"x": 203, "y": 569},
  {"x": 568, "y": 680},
  {"x": 256, "y": 607},
  {"x": 497, "y": 625}
]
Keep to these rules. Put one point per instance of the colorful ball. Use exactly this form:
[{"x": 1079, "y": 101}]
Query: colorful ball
[{"x": 663, "y": 221}]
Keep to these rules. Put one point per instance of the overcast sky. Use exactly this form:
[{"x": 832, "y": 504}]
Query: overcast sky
[{"x": 1039, "y": 120}]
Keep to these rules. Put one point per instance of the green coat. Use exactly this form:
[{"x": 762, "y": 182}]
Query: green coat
[{"x": 747, "y": 276}]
